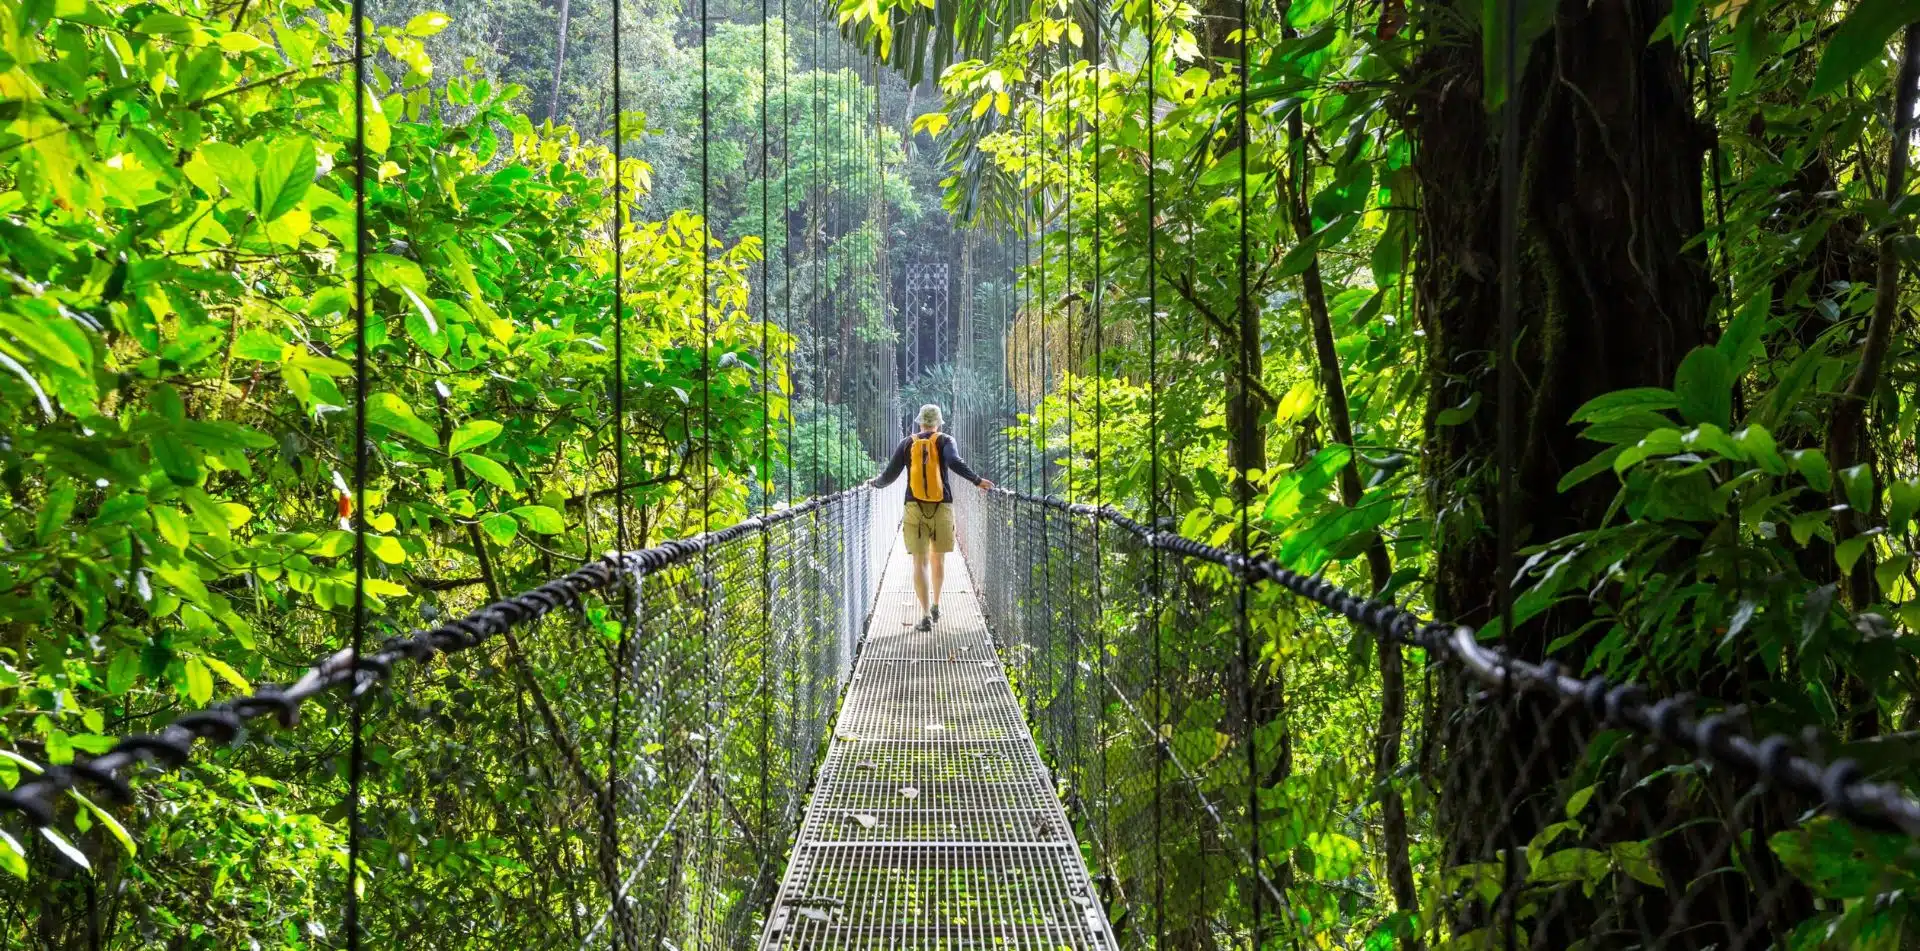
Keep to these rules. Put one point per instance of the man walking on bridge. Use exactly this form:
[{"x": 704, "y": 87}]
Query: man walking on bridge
[{"x": 927, "y": 456}]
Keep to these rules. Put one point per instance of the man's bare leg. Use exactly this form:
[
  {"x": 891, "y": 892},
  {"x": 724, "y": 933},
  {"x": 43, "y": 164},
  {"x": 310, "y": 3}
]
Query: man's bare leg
[
  {"x": 939, "y": 566},
  {"x": 920, "y": 581}
]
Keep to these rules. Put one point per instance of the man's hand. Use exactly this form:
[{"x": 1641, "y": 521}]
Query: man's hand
[{"x": 986, "y": 484}]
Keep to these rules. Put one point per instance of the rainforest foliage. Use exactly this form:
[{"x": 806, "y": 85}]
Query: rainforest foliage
[
  {"x": 178, "y": 218},
  {"x": 1268, "y": 279},
  {"x": 1258, "y": 253}
]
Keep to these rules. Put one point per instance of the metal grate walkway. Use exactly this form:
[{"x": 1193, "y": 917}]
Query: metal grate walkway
[{"x": 933, "y": 822}]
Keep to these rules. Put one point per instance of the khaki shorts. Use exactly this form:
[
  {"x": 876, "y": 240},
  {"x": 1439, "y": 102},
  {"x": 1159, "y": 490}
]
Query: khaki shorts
[{"x": 926, "y": 522}]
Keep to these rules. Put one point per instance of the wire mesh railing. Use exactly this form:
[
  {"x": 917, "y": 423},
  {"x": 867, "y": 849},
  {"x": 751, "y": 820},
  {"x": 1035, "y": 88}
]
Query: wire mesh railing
[
  {"x": 671, "y": 832},
  {"x": 1233, "y": 798}
]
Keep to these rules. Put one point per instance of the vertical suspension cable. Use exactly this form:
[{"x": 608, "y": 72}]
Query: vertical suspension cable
[
  {"x": 1153, "y": 478},
  {"x": 610, "y": 823},
  {"x": 1243, "y": 489},
  {"x": 1039, "y": 155},
  {"x": 1509, "y": 252},
  {"x": 786, "y": 229},
  {"x": 706, "y": 441},
  {"x": 1073, "y": 369},
  {"x": 765, "y": 475},
  {"x": 356, "y": 755},
  {"x": 1099, "y": 409}
]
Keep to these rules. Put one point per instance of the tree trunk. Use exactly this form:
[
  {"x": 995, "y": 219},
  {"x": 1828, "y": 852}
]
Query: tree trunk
[
  {"x": 1608, "y": 295},
  {"x": 1393, "y": 696},
  {"x": 559, "y": 65}
]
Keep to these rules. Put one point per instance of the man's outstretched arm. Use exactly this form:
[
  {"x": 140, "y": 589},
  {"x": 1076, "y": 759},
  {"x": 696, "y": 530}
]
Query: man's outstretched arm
[
  {"x": 895, "y": 466},
  {"x": 960, "y": 467}
]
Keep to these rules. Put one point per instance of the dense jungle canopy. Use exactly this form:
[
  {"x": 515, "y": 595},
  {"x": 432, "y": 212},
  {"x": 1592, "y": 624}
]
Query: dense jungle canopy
[{"x": 1209, "y": 260}]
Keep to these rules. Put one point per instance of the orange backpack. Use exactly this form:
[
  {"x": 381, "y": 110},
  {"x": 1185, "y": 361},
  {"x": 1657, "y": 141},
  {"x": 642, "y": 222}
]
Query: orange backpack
[{"x": 924, "y": 476}]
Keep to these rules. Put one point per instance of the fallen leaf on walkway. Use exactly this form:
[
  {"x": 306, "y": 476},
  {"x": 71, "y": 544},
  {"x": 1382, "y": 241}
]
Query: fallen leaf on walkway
[
  {"x": 865, "y": 764},
  {"x": 936, "y": 726},
  {"x": 866, "y": 821},
  {"x": 909, "y": 792}
]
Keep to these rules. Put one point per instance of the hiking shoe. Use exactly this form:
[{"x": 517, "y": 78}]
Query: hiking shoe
[
  {"x": 936, "y": 613},
  {"x": 926, "y": 624}
]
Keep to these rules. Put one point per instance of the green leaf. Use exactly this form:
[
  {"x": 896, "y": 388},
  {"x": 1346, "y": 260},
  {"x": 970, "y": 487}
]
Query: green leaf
[
  {"x": 1858, "y": 481},
  {"x": 1888, "y": 572},
  {"x": 1861, "y": 39},
  {"x": 1570, "y": 865},
  {"x": 160, "y": 24},
  {"x": 123, "y": 671},
  {"x": 1903, "y": 501},
  {"x": 1741, "y": 342},
  {"x": 1848, "y": 552},
  {"x": 501, "y": 528},
  {"x": 180, "y": 463},
  {"x": 386, "y": 548},
  {"x": 106, "y": 819},
  {"x": 1704, "y": 387},
  {"x": 394, "y": 271},
  {"x": 1592, "y": 467},
  {"x": 55, "y": 512},
  {"x": 472, "y": 433},
  {"x": 199, "y": 681},
  {"x": 12, "y": 856},
  {"x": 285, "y": 173},
  {"x": 427, "y": 24},
  {"x": 1614, "y": 404},
  {"x": 541, "y": 519},
  {"x": 1635, "y": 859},
  {"x": 490, "y": 470},
  {"x": 392, "y": 412},
  {"x": 1812, "y": 466},
  {"x": 1455, "y": 415},
  {"x": 1838, "y": 860},
  {"x": 66, "y": 848}
]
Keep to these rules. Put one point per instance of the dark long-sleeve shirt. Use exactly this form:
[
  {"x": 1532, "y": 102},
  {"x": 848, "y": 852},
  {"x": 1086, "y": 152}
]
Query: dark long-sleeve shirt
[{"x": 949, "y": 460}]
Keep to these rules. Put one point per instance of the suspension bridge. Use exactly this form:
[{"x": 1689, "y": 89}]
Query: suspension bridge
[
  {"x": 777, "y": 710},
  {"x": 1130, "y": 728}
]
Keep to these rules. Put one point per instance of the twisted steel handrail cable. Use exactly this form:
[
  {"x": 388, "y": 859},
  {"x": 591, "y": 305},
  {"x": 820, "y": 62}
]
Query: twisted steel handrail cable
[
  {"x": 1838, "y": 784},
  {"x": 172, "y": 746}
]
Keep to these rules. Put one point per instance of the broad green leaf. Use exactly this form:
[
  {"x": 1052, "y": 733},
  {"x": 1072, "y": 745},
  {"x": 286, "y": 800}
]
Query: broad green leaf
[
  {"x": 54, "y": 512},
  {"x": 501, "y": 528},
  {"x": 391, "y": 270},
  {"x": 392, "y": 412},
  {"x": 123, "y": 671},
  {"x": 180, "y": 463},
  {"x": 1704, "y": 387},
  {"x": 106, "y": 818},
  {"x": 1840, "y": 861},
  {"x": 285, "y": 173},
  {"x": 12, "y": 856},
  {"x": 1848, "y": 552},
  {"x": 540, "y": 519},
  {"x": 1889, "y": 572},
  {"x": 473, "y": 433},
  {"x": 1861, "y": 39},
  {"x": 427, "y": 24},
  {"x": 199, "y": 681},
  {"x": 1858, "y": 483},
  {"x": 490, "y": 470},
  {"x": 1812, "y": 466},
  {"x": 66, "y": 848},
  {"x": 1740, "y": 344},
  {"x": 386, "y": 548},
  {"x": 1592, "y": 467}
]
